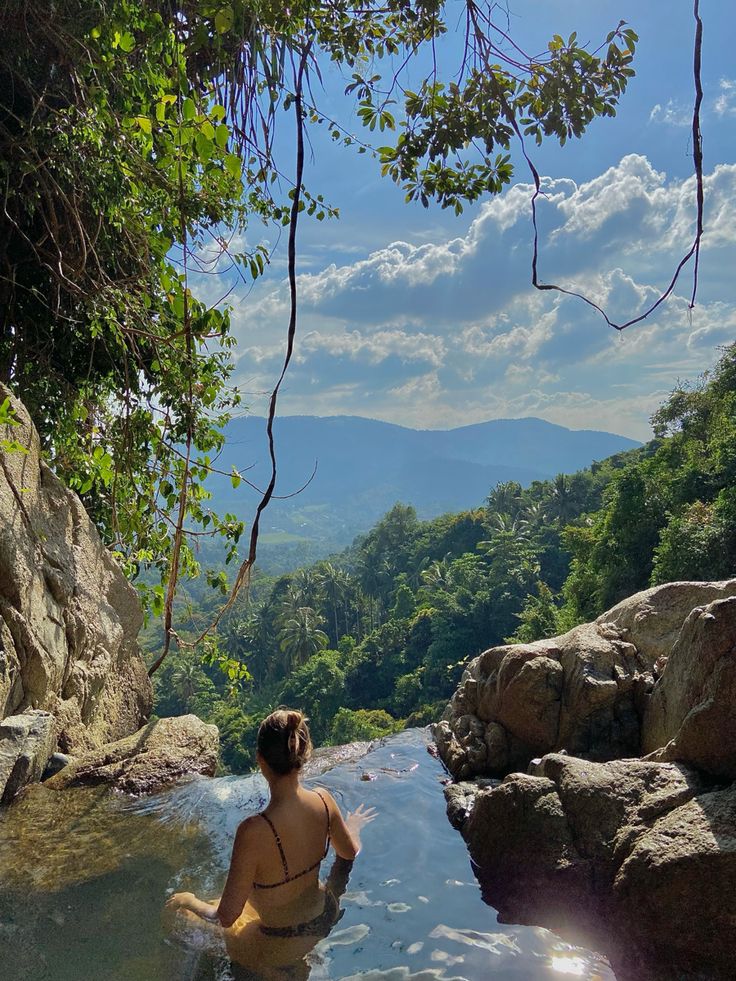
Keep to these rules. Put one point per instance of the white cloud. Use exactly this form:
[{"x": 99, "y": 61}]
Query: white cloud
[
  {"x": 725, "y": 104},
  {"x": 375, "y": 348},
  {"x": 449, "y": 332},
  {"x": 674, "y": 113}
]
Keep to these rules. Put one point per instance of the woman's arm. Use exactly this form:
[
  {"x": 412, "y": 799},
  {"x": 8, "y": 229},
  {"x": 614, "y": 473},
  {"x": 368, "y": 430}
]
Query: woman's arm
[
  {"x": 237, "y": 888},
  {"x": 345, "y": 832},
  {"x": 241, "y": 874}
]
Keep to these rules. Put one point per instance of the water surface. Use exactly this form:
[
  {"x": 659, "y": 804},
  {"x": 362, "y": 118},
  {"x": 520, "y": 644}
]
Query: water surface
[{"x": 84, "y": 875}]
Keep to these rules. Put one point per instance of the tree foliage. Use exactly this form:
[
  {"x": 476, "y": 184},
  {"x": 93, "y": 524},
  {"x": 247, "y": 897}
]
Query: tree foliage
[{"x": 137, "y": 138}]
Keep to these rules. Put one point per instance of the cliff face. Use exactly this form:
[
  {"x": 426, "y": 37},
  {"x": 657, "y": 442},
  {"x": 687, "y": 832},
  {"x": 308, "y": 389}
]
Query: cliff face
[{"x": 69, "y": 620}]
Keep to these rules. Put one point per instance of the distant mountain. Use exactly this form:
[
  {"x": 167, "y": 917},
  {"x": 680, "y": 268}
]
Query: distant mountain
[{"x": 363, "y": 467}]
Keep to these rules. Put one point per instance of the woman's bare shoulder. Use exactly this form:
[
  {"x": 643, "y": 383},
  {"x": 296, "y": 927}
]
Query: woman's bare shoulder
[
  {"x": 249, "y": 829},
  {"x": 326, "y": 796}
]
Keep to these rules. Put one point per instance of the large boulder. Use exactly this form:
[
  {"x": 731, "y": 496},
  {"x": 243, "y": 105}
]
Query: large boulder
[
  {"x": 641, "y": 854},
  {"x": 585, "y": 691},
  {"x": 691, "y": 713},
  {"x": 159, "y": 754},
  {"x": 26, "y": 744},
  {"x": 69, "y": 620}
]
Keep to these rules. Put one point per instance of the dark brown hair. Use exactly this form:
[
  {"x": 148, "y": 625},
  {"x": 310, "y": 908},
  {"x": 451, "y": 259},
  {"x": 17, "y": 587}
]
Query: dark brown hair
[{"x": 284, "y": 741}]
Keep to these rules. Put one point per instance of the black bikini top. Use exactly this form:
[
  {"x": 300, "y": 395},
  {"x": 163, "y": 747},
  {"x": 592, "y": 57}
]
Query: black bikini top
[{"x": 297, "y": 875}]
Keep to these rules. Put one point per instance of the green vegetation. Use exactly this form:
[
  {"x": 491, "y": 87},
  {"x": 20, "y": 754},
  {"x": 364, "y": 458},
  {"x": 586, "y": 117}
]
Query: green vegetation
[
  {"x": 138, "y": 138},
  {"x": 671, "y": 514},
  {"x": 377, "y": 638}
]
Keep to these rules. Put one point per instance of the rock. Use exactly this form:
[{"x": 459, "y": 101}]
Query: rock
[
  {"x": 57, "y": 762},
  {"x": 69, "y": 620},
  {"x": 157, "y": 755},
  {"x": 641, "y": 854},
  {"x": 462, "y": 745},
  {"x": 460, "y": 798},
  {"x": 682, "y": 871},
  {"x": 324, "y": 758},
  {"x": 652, "y": 619},
  {"x": 691, "y": 715},
  {"x": 26, "y": 743},
  {"x": 585, "y": 691}
]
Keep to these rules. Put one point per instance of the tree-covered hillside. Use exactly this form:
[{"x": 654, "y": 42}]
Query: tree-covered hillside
[{"x": 377, "y": 637}]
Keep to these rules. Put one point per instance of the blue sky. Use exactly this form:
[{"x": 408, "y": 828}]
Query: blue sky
[{"x": 429, "y": 320}]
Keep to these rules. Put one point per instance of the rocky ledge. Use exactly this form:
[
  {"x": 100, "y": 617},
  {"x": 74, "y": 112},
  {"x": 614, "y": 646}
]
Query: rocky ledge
[
  {"x": 152, "y": 758},
  {"x": 71, "y": 674},
  {"x": 638, "y": 853}
]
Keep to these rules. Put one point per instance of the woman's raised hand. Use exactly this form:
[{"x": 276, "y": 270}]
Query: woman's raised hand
[{"x": 357, "y": 819}]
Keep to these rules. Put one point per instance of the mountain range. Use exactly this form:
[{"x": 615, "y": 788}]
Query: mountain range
[{"x": 359, "y": 468}]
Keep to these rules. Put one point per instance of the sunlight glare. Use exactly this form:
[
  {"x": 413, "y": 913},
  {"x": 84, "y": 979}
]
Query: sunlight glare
[{"x": 568, "y": 965}]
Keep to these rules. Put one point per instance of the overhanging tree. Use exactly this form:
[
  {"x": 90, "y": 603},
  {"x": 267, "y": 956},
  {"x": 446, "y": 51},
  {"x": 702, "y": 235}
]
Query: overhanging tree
[{"x": 136, "y": 138}]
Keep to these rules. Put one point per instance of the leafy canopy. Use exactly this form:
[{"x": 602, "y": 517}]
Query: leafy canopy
[{"x": 137, "y": 143}]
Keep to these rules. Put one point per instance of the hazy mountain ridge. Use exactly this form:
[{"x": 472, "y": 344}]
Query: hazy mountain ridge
[{"x": 363, "y": 466}]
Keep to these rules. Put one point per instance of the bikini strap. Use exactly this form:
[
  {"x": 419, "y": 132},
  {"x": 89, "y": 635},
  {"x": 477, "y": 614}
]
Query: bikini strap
[
  {"x": 268, "y": 821},
  {"x": 327, "y": 812}
]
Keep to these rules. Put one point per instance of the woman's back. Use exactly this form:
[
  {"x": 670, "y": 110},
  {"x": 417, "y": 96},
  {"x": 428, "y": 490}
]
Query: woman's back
[{"x": 292, "y": 838}]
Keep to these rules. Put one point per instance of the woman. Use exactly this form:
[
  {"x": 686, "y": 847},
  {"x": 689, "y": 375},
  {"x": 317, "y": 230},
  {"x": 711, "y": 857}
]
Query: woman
[{"x": 273, "y": 908}]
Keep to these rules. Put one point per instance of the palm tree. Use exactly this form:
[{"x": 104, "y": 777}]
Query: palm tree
[
  {"x": 331, "y": 580},
  {"x": 505, "y": 498},
  {"x": 185, "y": 680},
  {"x": 300, "y": 636},
  {"x": 534, "y": 514},
  {"x": 438, "y": 575},
  {"x": 307, "y": 584},
  {"x": 503, "y": 527},
  {"x": 562, "y": 505}
]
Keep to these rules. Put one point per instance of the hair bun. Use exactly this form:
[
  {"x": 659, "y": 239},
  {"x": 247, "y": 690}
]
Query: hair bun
[
  {"x": 294, "y": 719},
  {"x": 284, "y": 740}
]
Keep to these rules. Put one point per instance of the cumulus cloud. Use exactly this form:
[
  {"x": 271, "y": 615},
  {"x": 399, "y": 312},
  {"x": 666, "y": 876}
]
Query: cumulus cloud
[{"x": 450, "y": 331}]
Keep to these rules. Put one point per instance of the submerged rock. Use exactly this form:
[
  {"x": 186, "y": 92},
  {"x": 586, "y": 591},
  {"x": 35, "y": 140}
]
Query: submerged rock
[
  {"x": 641, "y": 853},
  {"x": 26, "y": 743},
  {"x": 69, "y": 620},
  {"x": 157, "y": 755}
]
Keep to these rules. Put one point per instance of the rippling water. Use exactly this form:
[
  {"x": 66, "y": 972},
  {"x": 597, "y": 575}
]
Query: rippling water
[{"x": 84, "y": 875}]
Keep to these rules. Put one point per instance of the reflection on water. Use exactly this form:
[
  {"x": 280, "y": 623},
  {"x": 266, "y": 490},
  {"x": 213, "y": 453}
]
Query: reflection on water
[{"x": 84, "y": 874}]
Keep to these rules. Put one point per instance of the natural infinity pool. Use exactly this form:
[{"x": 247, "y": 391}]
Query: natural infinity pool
[{"x": 84, "y": 876}]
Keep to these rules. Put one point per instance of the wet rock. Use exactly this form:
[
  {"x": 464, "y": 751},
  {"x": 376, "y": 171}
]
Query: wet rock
[
  {"x": 324, "y": 758},
  {"x": 57, "y": 762},
  {"x": 159, "y": 754},
  {"x": 69, "y": 620},
  {"x": 642, "y": 853},
  {"x": 26, "y": 743}
]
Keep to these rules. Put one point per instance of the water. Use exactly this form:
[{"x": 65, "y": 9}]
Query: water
[{"x": 84, "y": 875}]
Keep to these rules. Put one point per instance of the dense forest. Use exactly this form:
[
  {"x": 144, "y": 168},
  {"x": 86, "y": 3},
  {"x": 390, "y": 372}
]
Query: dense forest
[{"x": 376, "y": 638}]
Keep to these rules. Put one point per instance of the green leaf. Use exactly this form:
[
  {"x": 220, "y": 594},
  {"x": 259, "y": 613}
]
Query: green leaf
[
  {"x": 204, "y": 146},
  {"x": 188, "y": 109},
  {"x": 144, "y": 123},
  {"x": 224, "y": 19},
  {"x": 232, "y": 165},
  {"x": 222, "y": 134}
]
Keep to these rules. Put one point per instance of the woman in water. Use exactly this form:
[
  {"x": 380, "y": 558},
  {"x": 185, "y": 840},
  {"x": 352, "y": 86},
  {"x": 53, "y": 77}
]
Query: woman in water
[{"x": 273, "y": 908}]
